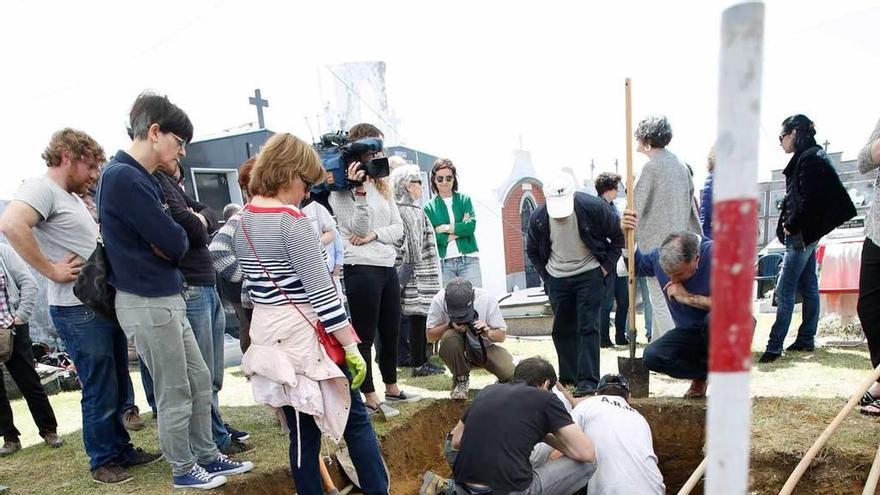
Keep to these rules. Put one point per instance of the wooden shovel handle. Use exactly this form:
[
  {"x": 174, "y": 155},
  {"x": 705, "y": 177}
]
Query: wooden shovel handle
[{"x": 630, "y": 234}]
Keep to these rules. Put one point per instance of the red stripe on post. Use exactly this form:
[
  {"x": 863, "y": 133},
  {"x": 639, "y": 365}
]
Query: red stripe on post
[{"x": 734, "y": 234}]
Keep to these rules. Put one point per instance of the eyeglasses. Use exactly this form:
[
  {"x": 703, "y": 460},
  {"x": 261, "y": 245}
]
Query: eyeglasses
[
  {"x": 441, "y": 178},
  {"x": 180, "y": 141},
  {"x": 308, "y": 185}
]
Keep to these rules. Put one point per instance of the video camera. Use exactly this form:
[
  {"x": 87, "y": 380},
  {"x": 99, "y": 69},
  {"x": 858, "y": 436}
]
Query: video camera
[{"x": 337, "y": 153}]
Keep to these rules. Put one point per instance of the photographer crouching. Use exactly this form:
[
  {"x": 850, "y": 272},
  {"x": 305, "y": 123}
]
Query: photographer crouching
[{"x": 468, "y": 323}]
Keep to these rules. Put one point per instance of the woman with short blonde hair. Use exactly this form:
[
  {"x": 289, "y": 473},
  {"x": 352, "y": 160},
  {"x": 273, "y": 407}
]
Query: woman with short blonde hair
[{"x": 293, "y": 297}]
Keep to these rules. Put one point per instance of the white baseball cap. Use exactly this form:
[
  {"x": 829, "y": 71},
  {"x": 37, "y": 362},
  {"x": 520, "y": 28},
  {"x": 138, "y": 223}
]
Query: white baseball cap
[{"x": 559, "y": 193}]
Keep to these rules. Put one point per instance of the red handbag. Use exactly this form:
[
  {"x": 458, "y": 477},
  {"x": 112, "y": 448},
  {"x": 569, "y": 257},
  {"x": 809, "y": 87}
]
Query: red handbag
[{"x": 331, "y": 345}]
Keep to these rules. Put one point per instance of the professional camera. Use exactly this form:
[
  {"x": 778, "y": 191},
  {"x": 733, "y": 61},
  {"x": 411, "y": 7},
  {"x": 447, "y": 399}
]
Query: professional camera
[{"x": 337, "y": 153}]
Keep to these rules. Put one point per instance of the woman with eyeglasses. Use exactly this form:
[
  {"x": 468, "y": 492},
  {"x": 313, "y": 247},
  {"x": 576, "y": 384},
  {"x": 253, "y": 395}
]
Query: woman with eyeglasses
[
  {"x": 815, "y": 203},
  {"x": 370, "y": 225},
  {"x": 417, "y": 265},
  {"x": 452, "y": 217},
  {"x": 292, "y": 293}
]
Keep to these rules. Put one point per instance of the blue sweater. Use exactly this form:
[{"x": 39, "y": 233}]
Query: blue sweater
[
  {"x": 684, "y": 316},
  {"x": 134, "y": 219}
]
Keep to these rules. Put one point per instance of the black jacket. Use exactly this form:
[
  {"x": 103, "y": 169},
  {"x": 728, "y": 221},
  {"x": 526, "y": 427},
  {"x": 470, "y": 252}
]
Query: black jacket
[
  {"x": 196, "y": 264},
  {"x": 598, "y": 225},
  {"x": 816, "y": 202}
]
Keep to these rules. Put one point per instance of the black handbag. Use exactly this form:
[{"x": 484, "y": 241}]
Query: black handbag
[{"x": 91, "y": 285}]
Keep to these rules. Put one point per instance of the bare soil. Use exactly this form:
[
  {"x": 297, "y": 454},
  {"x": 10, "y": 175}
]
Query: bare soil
[{"x": 416, "y": 445}]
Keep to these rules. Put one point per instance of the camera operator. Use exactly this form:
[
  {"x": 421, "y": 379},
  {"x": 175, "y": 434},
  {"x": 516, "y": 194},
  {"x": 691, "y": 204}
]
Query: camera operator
[
  {"x": 498, "y": 432},
  {"x": 468, "y": 323},
  {"x": 370, "y": 225}
]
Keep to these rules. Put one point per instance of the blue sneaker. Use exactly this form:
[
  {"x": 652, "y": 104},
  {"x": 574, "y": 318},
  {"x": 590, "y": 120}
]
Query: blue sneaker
[
  {"x": 197, "y": 477},
  {"x": 237, "y": 434},
  {"x": 225, "y": 465}
]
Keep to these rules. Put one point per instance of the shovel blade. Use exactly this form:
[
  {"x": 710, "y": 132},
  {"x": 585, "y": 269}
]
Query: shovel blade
[{"x": 635, "y": 372}]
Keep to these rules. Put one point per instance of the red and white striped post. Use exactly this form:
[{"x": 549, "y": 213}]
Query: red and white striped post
[{"x": 734, "y": 234}]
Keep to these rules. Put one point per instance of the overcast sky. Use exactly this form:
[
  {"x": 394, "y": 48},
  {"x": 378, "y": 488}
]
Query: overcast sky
[{"x": 464, "y": 78}]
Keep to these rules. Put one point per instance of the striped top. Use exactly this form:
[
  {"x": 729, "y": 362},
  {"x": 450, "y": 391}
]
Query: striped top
[{"x": 288, "y": 249}]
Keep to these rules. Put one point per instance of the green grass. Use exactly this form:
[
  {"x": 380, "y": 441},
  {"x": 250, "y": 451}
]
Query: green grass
[{"x": 805, "y": 391}]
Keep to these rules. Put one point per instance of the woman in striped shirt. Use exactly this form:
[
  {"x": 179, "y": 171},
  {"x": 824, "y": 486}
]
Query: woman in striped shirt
[{"x": 291, "y": 289}]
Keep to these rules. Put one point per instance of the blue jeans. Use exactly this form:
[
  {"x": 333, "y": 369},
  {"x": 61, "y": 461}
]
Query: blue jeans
[
  {"x": 208, "y": 321},
  {"x": 798, "y": 273},
  {"x": 577, "y": 302},
  {"x": 99, "y": 350},
  {"x": 647, "y": 309},
  {"x": 467, "y": 267},
  {"x": 362, "y": 446}
]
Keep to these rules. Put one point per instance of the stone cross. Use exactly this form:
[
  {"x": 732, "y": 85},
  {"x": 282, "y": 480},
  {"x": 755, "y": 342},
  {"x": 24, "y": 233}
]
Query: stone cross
[
  {"x": 825, "y": 144},
  {"x": 258, "y": 101}
]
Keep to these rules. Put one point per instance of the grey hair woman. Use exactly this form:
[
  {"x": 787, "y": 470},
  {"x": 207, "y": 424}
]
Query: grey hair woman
[
  {"x": 417, "y": 264},
  {"x": 664, "y": 201}
]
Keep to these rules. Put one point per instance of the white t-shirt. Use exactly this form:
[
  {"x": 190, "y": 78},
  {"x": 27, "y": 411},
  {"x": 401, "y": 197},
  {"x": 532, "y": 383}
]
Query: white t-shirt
[
  {"x": 451, "y": 248},
  {"x": 322, "y": 221},
  {"x": 625, "y": 457},
  {"x": 66, "y": 227}
]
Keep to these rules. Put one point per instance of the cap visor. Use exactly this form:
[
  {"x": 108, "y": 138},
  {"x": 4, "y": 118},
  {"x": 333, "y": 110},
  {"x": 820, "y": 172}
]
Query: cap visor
[
  {"x": 560, "y": 207},
  {"x": 462, "y": 316}
]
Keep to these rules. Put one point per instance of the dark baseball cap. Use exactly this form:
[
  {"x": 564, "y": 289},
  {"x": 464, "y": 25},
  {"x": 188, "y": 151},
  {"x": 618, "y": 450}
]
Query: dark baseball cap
[
  {"x": 613, "y": 380},
  {"x": 460, "y": 300}
]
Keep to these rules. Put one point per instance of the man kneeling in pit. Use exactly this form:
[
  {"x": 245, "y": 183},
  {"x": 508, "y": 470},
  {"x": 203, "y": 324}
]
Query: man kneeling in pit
[{"x": 498, "y": 432}]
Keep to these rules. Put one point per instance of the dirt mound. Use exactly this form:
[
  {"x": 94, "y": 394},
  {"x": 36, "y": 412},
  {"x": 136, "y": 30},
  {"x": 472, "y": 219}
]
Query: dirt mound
[{"x": 415, "y": 445}]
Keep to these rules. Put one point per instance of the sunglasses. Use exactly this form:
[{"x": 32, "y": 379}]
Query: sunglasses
[
  {"x": 441, "y": 178},
  {"x": 782, "y": 136},
  {"x": 416, "y": 181},
  {"x": 180, "y": 141}
]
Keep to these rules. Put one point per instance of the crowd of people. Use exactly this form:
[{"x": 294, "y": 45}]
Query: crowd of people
[{"x": 319, "y": 280}]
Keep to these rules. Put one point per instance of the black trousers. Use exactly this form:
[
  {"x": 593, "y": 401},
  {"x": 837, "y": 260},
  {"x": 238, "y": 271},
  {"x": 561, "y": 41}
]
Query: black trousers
[
  {"x": 373, "y": 294},
  {"x": 616, "y": 289},
  {"x": 418, "y": 341},
  {"x": 681, "y": 353},
  {"x": 21, "y": 368},
  {"x": 869, "y": 298}
]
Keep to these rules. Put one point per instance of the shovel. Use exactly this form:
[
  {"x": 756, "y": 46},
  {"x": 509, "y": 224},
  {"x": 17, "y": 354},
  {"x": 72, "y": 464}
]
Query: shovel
[{"x": 631, "y": 367}]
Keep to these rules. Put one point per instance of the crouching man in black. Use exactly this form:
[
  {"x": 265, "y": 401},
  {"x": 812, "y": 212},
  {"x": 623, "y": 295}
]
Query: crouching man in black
[{"x": 497, "y": 433}]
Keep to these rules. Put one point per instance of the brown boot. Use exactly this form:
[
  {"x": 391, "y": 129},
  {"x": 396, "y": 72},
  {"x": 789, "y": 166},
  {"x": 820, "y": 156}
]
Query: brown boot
[
  {"x": 53, "y": 440},
  {"x": 10, "y": 447},
  {"x": 697, "y": 390},
  {"x": 110, "y": 474},
  {"x": 132, "y": 420}
]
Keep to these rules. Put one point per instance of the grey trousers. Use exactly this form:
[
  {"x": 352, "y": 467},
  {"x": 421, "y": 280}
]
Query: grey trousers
[
  {"x": 562, "y": 476},
  {"x": 165, "y": 341}
]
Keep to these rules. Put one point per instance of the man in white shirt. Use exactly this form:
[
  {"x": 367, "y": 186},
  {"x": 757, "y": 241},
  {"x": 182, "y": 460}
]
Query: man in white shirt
[{"x": 624, "y": 448}]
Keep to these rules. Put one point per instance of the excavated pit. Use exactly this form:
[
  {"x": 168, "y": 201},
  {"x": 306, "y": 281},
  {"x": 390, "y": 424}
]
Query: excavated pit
[{"x": 416, "y": 445}]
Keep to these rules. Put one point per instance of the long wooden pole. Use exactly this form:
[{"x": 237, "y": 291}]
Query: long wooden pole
[
  {"x": 630, "y": 234},
  {"x": 695, "y": 478},
  {"x": 873, "y": 476},
  {"x": 735, "y": 216},
  {"x": 802, "y": 466}
]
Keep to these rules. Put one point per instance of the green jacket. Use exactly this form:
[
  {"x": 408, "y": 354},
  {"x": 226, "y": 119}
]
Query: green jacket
[{"x": 439, "y": 215}]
